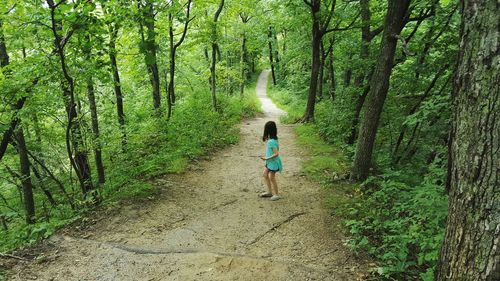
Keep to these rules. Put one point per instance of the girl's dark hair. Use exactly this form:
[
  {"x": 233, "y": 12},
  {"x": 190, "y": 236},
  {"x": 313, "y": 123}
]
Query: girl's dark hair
[{"x": 270, "y": 131}]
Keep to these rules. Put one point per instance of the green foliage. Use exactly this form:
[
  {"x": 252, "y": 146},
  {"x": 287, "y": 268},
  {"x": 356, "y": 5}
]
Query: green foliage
[
  {"x": 153, "y": 146},
  {"x": 401, "y": 225},
  {"x": 22, "y": 234},
  {"x": 325, "y": 163},
  {"x": 293, "y": 105}
]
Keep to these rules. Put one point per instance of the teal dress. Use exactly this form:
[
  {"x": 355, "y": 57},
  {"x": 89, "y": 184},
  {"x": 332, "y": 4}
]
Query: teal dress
[{"x": 275, "y": 163}]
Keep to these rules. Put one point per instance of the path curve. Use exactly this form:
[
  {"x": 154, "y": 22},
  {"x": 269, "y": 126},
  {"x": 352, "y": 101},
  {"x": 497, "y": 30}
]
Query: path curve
[{"x": 209, "y": 224}]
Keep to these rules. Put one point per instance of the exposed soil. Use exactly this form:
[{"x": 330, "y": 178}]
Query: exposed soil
[{"x": 209, "y": 224}]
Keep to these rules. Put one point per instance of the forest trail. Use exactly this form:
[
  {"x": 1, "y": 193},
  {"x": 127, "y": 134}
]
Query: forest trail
[{"x": 209, "y": 224}]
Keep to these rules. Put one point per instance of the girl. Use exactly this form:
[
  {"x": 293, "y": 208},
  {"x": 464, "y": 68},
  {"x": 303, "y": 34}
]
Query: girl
[{"x": 272, "y": 161}]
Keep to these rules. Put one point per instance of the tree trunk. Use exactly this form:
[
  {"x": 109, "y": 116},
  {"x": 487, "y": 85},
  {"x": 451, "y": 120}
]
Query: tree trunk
[
  {"x": 74, "y": 141},
  {"x": 471, "y": 246},
  {"x": 113, "y": 30},
  {"x": 243, "y": 63},
  {"x": 331, "y": 73},
  {"x": 315, "y": 64},
  {"x": 271, "y": 58},
  {"x": 170, "y": 88},
  {"x": 214, "y": 55},
  {"x": 4, "y": 61},
  {"x": 321, "y": 71},
  {"x": 173, "y": 50},
  {"x": 95, "y": 131},
  {"x": 348, "y": 74},
  {"x": 364, "y": 54},
  {"x": 29, "y": 202},
  {"x": 276, "y": 52},
  {"x": 149, "y": 49},
  {"x": 360, "y": 101},
  {"x": 96, "y": 142},
  {"x": 379, "y": 85}
]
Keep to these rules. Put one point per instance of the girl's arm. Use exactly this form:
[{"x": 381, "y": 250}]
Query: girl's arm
[{"x": 276, "y": 154}]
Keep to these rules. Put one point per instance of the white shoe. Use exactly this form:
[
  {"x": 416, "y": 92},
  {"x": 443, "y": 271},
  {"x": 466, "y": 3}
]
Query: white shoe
[{"x": 275, "y": 198}]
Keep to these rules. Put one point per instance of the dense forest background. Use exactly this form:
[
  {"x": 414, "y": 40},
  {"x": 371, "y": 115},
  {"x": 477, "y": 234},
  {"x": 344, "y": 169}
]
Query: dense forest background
[
  {"x": 399, "y": 213},
  {"x": 89, "y": 88},
  {"x": 99, "y": 96}
]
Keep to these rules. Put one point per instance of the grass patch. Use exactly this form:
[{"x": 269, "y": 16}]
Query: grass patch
[
  {"x": 287, "y": 102},
  {"x": 326, "y": 164}
]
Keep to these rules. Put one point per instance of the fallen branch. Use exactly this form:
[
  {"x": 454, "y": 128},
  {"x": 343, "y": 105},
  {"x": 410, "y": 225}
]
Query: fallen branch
[
  {"x": 3, "y": 255},
  {"x": 290, "y": 218},
  {"x": 225, "y": 204}
]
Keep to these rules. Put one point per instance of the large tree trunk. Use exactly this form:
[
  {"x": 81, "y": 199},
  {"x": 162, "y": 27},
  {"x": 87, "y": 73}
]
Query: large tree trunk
[
  {"x": 315, "y": 64},
  {"x": 471, "y": 246},
  {"x": 379, "y": 85},
  {"x": 113, "y": 30},
  {"x": 149, "y": 49}
]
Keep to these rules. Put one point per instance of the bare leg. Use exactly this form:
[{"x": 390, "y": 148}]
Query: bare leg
[
  {"x": 266, "y": 180},
  {"x": 274, "y": 184}
]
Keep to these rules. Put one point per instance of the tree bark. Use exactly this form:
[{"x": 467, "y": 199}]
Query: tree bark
[
  {"x": 364, "y": 54},
  {"x": 321, "y": 71},
  {"x": 471, "y": 246},
  {"x": 243, "y": 64},
  {"x": 276, "y": 49},
  {"x": 4, "y": 61},
  {"x": 74, "y": 141},
  {"x": 94, "y": 120},
  {"x": 113, "y": 31},
  {"x": 379, "y": 85},
  {"x": 173, "y": 50},
  {"x": 95, "y": 131},
  {"x": 271, "y": 58},
  {"x": 149, "y": 49},
  {"x": 215, "y": 47},
  {"x": 315, "y": 61},
  {"x": 331, "y": 73},
  {"x": 29, "y": 202}
]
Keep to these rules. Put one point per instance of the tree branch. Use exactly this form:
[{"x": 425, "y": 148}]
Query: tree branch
[
  {"x": 348, "y": 27},
  {"x": 329, "y": 18},
  {"x": 184, "y": 31}
]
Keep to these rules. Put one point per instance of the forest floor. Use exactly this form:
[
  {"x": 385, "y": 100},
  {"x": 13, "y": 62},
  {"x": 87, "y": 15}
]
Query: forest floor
[{"x": 209, "y": 224}]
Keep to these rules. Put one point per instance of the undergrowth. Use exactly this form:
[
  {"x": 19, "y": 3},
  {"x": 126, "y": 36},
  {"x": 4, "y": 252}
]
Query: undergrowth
[
  {"x": 155, "y": 147},
  {"x": 397, "y": 216}
]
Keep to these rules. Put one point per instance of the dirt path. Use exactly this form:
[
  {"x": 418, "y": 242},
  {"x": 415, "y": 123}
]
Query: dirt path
[{"x": 209, "y": 224}]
